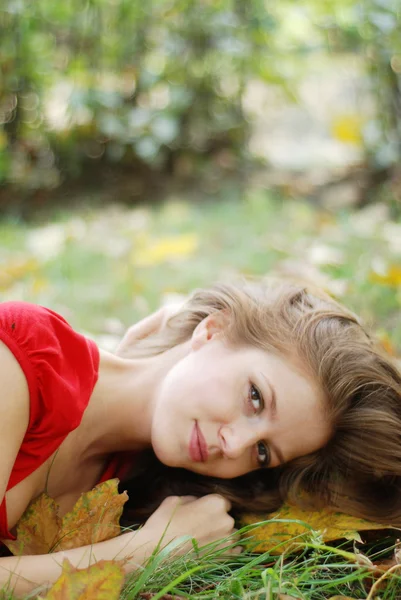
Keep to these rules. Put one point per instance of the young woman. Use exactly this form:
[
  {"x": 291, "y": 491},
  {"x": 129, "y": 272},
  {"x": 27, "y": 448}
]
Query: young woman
[{"x": 247, "y": 395}]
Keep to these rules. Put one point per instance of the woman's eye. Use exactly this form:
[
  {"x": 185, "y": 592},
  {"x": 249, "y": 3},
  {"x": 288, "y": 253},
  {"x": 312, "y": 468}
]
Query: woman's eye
[
  {"x": 263, "y": 454},
  {"x": 255, "y": 398}
]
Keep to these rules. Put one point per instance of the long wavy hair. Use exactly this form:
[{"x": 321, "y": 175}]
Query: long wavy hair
[{"x": 359, "y": 469}]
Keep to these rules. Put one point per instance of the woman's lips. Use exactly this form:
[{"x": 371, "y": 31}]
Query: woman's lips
[{"x": 197, "y": 445}]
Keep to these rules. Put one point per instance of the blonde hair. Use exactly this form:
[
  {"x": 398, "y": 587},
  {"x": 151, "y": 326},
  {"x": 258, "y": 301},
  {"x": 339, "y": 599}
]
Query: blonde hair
[{"x": 359, "y": 470}]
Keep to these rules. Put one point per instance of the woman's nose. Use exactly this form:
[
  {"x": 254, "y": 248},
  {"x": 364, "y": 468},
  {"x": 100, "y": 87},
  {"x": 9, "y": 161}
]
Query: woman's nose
[{"x": 236, "y": 439}]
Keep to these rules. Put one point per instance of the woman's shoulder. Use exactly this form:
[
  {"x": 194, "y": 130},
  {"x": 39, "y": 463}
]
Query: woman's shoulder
[
  {"x": 60, "y": 364},
  {"x": 20, "y": 318},
  {"x": 61, "y": 370},
  {"x": 23, "y": 322},
  {"x": 35, "y": 324}
]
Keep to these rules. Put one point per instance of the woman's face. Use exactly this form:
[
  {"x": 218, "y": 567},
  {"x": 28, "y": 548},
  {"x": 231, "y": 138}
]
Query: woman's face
[{"x": 224, "y": 411}]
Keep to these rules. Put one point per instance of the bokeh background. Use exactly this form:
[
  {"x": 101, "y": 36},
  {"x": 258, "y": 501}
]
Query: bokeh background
[{"x": 147, "y": 148}]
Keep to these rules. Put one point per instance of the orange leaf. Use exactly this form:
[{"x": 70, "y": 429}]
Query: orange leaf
[
  {"x": 37, "y": 530},
  {"x": 286, "y": 528},
  {"x": 102, "y": 581},
  {"x": 94, "y": 518}
]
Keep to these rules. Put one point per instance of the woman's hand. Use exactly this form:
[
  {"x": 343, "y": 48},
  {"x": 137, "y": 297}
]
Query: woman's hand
[
  {"x": 206, "y": 519},
  {"x": 147, "y": 326}
]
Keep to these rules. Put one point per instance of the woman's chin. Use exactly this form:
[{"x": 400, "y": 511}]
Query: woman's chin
[{"x": 165, "y": 455}]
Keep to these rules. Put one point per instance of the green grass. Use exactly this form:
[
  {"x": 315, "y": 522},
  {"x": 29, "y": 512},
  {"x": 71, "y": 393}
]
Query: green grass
[
  {"x": 319, "y": 572},
  {"x": 90, "y": 265},
  {"x": 104, "y": 269}
]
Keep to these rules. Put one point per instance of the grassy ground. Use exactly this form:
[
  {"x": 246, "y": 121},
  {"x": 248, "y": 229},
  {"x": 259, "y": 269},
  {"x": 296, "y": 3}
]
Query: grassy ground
[{"x": 103, "y": 269}]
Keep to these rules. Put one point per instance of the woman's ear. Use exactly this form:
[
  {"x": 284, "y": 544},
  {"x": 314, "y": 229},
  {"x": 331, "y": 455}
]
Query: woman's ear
[{"x": 211, "y": 327}]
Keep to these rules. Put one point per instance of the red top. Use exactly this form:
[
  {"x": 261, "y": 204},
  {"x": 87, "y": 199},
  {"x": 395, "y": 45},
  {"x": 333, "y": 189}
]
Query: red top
[
  {"x": 119, "y": 466},
  {"x": 61, "y": 370}
]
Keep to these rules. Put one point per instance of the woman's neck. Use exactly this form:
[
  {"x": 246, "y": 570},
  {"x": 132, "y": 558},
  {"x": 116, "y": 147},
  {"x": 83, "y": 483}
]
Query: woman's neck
[{"x": 119, "y": 414}]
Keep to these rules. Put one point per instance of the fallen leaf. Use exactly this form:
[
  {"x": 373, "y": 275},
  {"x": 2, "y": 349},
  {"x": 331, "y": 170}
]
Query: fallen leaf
[
  {"x": 38, "y": 528},
  {"x": 391, "y": 277},
  {"x": 101, "y": 581},
  {"x": 277, "y": 536},
  {"x": 15, "y": 270},
  {"x": 94, "y": 518},
  {"x": 386, "y": 342},
  {"x": 156, "y": 252},
  {"x": 388, "y": 563}
]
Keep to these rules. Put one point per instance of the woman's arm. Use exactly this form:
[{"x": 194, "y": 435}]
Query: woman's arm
[
  {"x": 14, "y": 417},
  {"x": 23, "y": 574},
  {"x": 205, "y": 519}
]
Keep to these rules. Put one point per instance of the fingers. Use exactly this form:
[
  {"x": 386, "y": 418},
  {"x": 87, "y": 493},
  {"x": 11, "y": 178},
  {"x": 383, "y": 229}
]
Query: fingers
[
  {"x": 181, "y": 499},
  {"x": 230, "y": 545},
  {"x": 145, "y": 327},
  {"x": 186, "y": 499},
  {"x": 216, "y": 500},
  {"x": 205, "y": 519},
  {"x": 175, "y": 501}
]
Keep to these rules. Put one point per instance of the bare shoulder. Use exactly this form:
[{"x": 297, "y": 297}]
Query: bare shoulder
[{"x": 14, "y": 412}]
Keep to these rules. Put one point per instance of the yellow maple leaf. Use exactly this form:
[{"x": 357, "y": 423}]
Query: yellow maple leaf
[
  {"x": 94, "y": 518},
  {"x": 102, "y": 581},
  {"x": 277, "y": 536}
]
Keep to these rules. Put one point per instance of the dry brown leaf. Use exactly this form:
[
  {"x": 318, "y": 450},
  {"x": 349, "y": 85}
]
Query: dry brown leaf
[
  {"x": 94, "y": 518},
  {"x": 278, "y": 537},
  {"x": 101, "y": 581},
  {"x": 37, "y": 529},
  {"x": 381, "y": 566}
]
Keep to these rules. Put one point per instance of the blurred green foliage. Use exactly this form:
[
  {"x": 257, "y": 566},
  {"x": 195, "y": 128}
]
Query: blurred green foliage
[
  {"x": 373, "y": 29},
  {"x": 159, "y": 85}
]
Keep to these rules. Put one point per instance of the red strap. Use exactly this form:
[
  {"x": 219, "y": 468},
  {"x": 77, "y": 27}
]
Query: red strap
[
  {"x": 4, "y": 533},
  {"x": 119, "y": 466}
]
